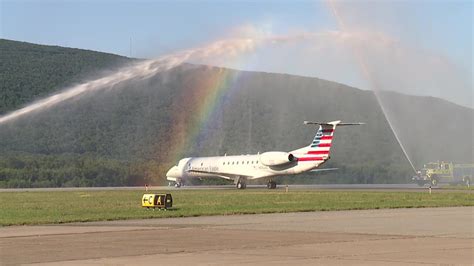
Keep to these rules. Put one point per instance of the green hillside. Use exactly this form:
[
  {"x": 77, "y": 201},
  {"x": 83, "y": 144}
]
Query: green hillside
[
  {"x": 29, "y": 71},
  {"x": 133, "y": 132}
]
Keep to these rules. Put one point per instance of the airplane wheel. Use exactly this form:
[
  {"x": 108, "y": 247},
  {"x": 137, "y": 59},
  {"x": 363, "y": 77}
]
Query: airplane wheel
[
  {"x": 241, "y": 185},
  {"x": 271, "y": 185},
  {"x": 274, "y": 185},
  {"x": 177, "y": 185}
]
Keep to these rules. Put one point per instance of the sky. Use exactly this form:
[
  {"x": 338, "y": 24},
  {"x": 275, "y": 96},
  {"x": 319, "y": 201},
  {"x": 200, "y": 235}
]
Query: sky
[{"x": 414, "y": 47}]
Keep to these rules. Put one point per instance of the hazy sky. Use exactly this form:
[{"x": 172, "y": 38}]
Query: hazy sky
[{"x": 417, "y": 47}]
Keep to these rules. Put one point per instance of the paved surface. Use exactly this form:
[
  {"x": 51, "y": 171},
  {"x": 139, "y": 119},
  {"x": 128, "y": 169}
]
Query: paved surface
[
  {"x": 369, "y": 237},
  {"x": 355, "y": 187}
]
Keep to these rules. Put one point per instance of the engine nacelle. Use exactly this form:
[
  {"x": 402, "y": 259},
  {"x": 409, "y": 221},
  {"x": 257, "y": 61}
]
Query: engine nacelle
[{"x": 274, "y": 158}]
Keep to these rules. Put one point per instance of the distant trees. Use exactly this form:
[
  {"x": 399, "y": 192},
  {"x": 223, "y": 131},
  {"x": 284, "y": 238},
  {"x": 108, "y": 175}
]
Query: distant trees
[
  {"x": 69, "y": 170},
  {"x": 72, "y": 170}
]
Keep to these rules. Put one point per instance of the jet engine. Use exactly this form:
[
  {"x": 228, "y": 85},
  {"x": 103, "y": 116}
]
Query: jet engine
[{"x": 275, "y": 158}]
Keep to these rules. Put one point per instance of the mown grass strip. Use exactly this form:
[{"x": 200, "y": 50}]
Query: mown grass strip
[
  {"x": 21, "y": 208},
  {"x": 457, "y": 187}
]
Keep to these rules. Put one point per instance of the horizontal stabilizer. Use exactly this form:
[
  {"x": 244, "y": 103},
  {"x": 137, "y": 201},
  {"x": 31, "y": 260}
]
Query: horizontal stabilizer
[
  {"x": 338, "y": 123},
  {"x": 324, "y": 170}
]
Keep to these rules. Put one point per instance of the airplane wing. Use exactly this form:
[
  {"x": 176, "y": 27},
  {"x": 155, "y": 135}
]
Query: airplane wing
[{"x": 223, "y": 175}]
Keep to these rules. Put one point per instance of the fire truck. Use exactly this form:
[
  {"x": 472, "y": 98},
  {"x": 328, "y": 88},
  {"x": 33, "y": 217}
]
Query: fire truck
[{"x": 445, "y": 172}]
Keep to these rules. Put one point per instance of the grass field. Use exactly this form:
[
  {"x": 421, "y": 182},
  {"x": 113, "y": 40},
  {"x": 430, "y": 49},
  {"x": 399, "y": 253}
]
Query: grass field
[
  {"x": 20, "y": 208},
  {"x": 457, "y": 187}
]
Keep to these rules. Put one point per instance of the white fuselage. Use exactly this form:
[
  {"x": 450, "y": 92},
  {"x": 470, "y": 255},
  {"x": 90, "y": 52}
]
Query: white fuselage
[{"x": 229, "y": 167}]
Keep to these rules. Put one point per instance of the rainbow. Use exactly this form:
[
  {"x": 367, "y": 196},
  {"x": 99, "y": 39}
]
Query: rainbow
[{"x": 195, "y": 108}]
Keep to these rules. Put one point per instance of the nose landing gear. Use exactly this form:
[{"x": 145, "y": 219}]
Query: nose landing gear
[{"x": 178, "y": 183}]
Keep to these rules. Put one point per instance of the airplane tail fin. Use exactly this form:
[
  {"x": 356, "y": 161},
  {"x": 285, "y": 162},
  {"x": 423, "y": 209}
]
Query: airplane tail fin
[{"x": 318, "y": 150}]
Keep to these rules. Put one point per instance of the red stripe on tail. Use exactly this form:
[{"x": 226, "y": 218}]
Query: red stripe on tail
[
  {"x": 318, "y": 152},
  {"x": 324, "y": 145},
  {"x": 303, "y": 159}
]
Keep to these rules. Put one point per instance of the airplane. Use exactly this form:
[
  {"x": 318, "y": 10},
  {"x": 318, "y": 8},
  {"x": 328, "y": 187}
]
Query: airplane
[{"x": 267, "y": 165}]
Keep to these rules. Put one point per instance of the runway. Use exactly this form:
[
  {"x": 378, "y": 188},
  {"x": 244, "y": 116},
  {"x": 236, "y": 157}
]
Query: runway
[
  {"x": 368, "y": 237},
  {"x": 348, "y": 187}
]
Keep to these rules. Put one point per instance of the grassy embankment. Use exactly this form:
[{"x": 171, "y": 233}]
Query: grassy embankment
[{"x": 18, "y": 208}]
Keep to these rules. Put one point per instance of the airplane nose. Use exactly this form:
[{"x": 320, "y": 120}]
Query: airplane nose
[{"x": 173, "y": 172}]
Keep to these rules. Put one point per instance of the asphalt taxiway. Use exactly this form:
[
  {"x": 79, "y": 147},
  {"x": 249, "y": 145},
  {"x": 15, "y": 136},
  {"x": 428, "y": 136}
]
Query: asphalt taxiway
[
  {"x": 346, "y": 187},
  {"x": 366, "y": 237}
]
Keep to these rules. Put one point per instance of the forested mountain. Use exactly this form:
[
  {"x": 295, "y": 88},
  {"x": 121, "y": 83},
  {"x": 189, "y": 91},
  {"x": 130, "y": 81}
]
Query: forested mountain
[
  {"x": 29, "y": 71},
  {"x": 133, "y": 132}
]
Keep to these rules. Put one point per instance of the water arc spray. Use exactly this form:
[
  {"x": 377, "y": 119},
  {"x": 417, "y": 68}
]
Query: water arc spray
[
  {"x": 148, "y": 68},
  {"x": 363, "y": 65},
  {"x": 140, "y": 70}
]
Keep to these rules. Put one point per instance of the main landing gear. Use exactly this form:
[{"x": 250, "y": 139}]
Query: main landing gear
[
  {"x": 271, "y": 184},
  {"x": 241, "y": 183}
]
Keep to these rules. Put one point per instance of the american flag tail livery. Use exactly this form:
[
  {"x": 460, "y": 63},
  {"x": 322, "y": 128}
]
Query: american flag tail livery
[{"x": 318, "y": 150}]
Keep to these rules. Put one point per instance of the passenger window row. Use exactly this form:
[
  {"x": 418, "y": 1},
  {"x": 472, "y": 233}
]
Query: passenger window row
[
  {"x": 232, "y": 163},
  {"x": 237, "y": 162}
]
